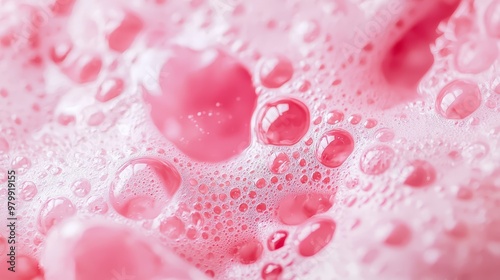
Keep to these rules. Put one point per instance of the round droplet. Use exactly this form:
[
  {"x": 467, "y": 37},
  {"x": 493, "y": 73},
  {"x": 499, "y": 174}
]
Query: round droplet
[
  {"x": 235, "y": 193},
  {"x": 277, "y": 240},
  {"x": 143, "y": 187},
  {"x": 81, "y": 187},
  {"x": 376, "y": 160},
  {"x": 475, "y": 55},
  {"x": 271, "y": 271},
  {"x": 280, "y": 163},
  {"x": 275, "y": 71},
  {"x": 53, "y": 211},
  {"x": 385, "y": 135},
  {"x": 296, "y": 209},
  {"x": 335, "y": 117},
  {"x": 458, "y": 99},
  {"x": 314, "y": 236},
  {"x": 109, "y": 89},
  {"x": 172, "y": 227},
  {"x": 334, "y": 147},
  {"x": 394, "y": 233},
  {"x": 126, "y": 26},
  {"x": 21, "y": 164},
  {"x": 84, "y": 68},
  {"x": 28, "y": 191},
  {"x": 206, "y": 104},
  {"x": 248, "y": 252},
  {"x": 283, "y": 122},
  {"x": 307, "y": 30},
  {"x": 492, "y": 20},
  {"x": 420, "y": 174},
  {"x": 97, "y": 205}
]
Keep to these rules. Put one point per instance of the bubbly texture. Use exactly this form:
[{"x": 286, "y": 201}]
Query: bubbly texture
[{"x": 263, "y": 139}]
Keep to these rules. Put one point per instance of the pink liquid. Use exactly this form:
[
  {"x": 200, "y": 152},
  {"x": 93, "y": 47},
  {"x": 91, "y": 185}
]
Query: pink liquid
[{"x": 266, "y": 139}]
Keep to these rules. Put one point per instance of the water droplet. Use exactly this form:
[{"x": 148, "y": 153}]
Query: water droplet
[
  {"x": 385, "y": 135},
  {"x": 277, "y": 240},
  {"x": 275, "y": 71},
  {"x": 218, "y": 125},
  {"x": 235, "y": 193},
  {"x": 109, "y": 89},
  {"x": 475, "y": 55},
  {"x": 21, "y": 164},
  {"x": 172, "y": 227},
  {"x": 28, "y": 191},
  {"x": 280, "y": 163},
  {"x": 420, "y": 173},
  {"x": 394, "y": 233},
  {"x": 125, "y": 27},
  {"x": 335, "y": 117},
  {"x": 97, "y": 205},
  {"x": 295, "y": 209},
  {"x": 376, "y": 160},
  {"x": 271, "y": 271},
  {"x": 283, "y": 122},
  {"x": 308, "y": 30},
  {"x": 53, "y": 211},
  {"x": 81, "y": 187},
  {"x": 143, "y": 187},
  {"x": 314, "y": 236},
  {"x": 334, "y": 147},
  {"x": 458, "y": 99},
  {"x": 83, "y": 69},
  {"x": 248, "y": 252},
  {"x": 492, "y": 20}
]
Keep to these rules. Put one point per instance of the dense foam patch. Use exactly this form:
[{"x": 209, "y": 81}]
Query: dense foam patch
[{"x": 271, "y": 139}]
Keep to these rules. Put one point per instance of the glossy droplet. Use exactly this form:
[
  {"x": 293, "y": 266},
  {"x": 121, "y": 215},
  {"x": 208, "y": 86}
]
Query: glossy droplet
[
  {"x": 206, "y": 104},
  {"x": 492, "y": 19},
  {"x": 27, "y": 267},
  {"x": 124, "y": 27},
  {"x": 21, "y": 164},
  {"x": 81, "y": 187},
  {"x": 335, "y": 117},
  {"x": 172, "y": 227},
  {"x": 109, "y": 89},
  {"x": 283, "y": 122},
  {"x": 84, "y": 68},
  {"x": 295, "y": 209},
  {"x": 334, "y": 147},
  {"x": 143, "y": 187},
  {"x": 420, "y": 173},
  {"x": 385, "y": 135},
  {"x": 458, "y": 99},
  {"x": 314, "y": 236},
  {"x": 97, "y": 205},
  {"x": 248, "y": 252},
  {"x": 28, "y": 191},
  {"x": 307, "y": 30},
  {"x": 475, "y": 55},
  {"x": 62, "y": 7},
  {"x": 271, "y": 271},
  {"x": 275, "y": 71},
  {"x": 123, "y": 254},
  {"x": 376, "y": 160},
  {"x": 277, "y": 240},
  {"x": 235, "y": 193},
  {"x": 53, "y": 211},
  {"x": 394, "y": 233},
  {"x": 280, "y": 164}
]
